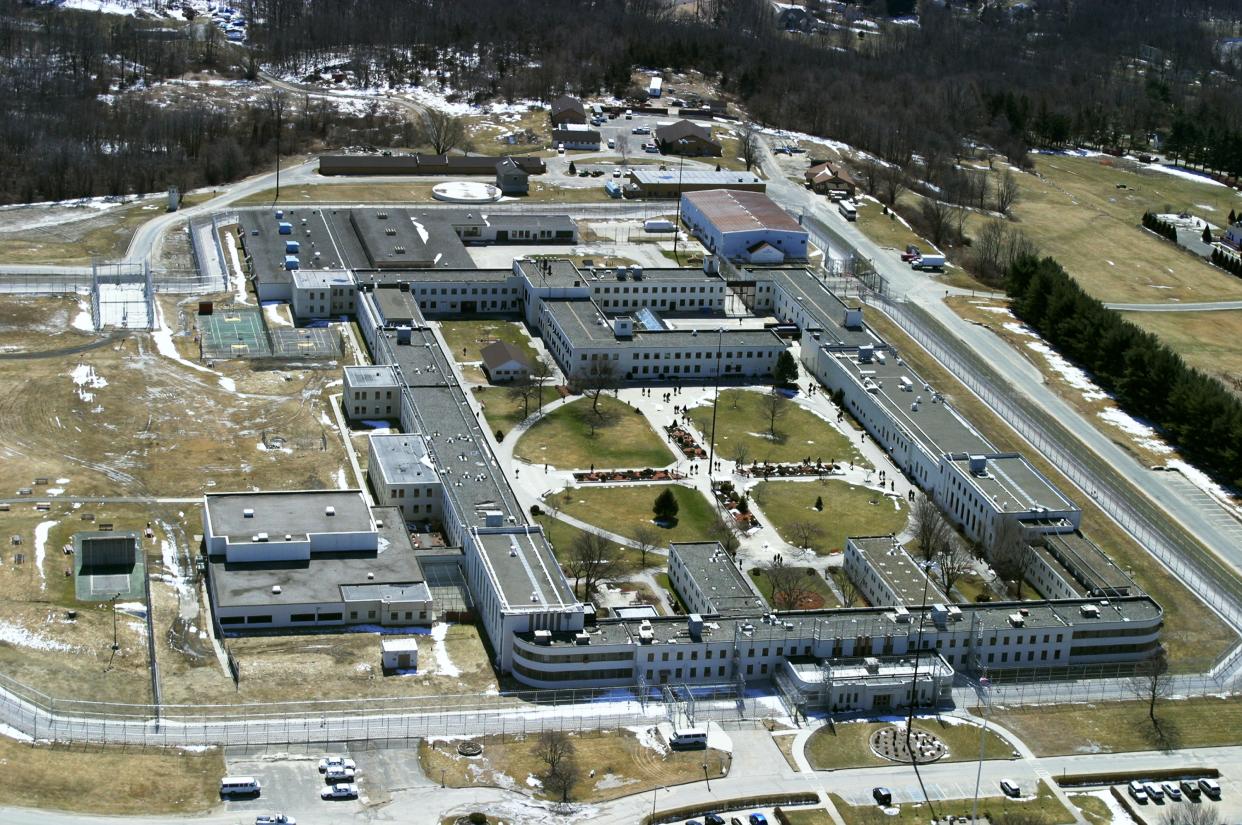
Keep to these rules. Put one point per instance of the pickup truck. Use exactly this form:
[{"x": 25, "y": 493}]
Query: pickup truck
[{"x": 274, "y": 819}]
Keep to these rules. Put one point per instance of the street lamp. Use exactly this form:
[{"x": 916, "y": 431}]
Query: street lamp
[
  {"x": 115, "y": 644},
  {"x": 707, "y": 778},
  {"x": 985, "y": 692},
  {"x": 711, "y": 459}
]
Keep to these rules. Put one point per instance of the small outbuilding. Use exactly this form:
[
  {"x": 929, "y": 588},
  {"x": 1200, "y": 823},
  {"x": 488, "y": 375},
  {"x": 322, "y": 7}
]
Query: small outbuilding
[
  {"x": 505, "y": 363},
  {"x": 687, "y": 139},
  {"x": 511, "y": 178},
  {"x": 565, "y": 110},
  {"x": 399, "y": 653}
]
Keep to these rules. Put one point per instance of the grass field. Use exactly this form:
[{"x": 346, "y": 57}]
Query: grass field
[
  {"x": 110, "y": 781},
  {"x": 1043, "y": 809},
  {"x": 1193, "y": 636},
  {"x": 741, "y": 420},
  {"x": 503, "y": 412},
  {"x": 622, "y": 764},
  {"x": 621, "y": 509},
  {"x": 886, "y": 230},
  {"x": 848, "y": 746},
  {"x": 467, "y": 339},
  {"x": 1210, "y": 341},
  {"x": 563, "y": 438},
  {"x": 562, "y": 535},
  {"x": 819, "y": 595},
  {"x": 848, "y": 511},
  {"x": 674, "y": 598},
  {"x": 1114, "y": 727}
]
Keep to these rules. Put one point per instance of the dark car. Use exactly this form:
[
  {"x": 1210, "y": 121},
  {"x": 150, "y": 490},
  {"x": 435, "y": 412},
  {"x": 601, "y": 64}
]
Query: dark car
[
  {"x": 882, "y": 796},
  {"x": 713, "y": 819}
]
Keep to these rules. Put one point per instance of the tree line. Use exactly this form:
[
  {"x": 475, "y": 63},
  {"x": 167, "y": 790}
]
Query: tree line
[{"x": 1196, "y": 413}]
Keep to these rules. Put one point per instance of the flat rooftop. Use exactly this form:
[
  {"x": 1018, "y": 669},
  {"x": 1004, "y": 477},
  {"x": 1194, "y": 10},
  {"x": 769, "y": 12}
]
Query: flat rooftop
[
  {"x": 550, "y": 272},
  {"x": 585, "y": 324},
  {"x": 827, "y": 309},
  {"x": 390, "y": 238},
  {"x": 402, "y": 458},
  {"x": 935, "y": 426},
  {"x": 1086, "y": 565},
  {"x": 398, "y": 308},
  {"x": 873, "y": 622},
  {"x": 649, "y": 177},
  {"x": 326, "y": 578},
  {"x": 419, "y": 360},
  {"x": 298, "y": 513},
  {"x": 731, "y": 210},
  {"x": 688, "y": 274},
  {"x": 879, "y": 668},
  {"x": 526, "y": 569},
  {"x": 382, "y": 375},
  {"x": 893, "y": 564},
  {"x": 321, "y": 278},
  {"x": 719, "y": 579},
  {"x": 1012, "y": 483}
]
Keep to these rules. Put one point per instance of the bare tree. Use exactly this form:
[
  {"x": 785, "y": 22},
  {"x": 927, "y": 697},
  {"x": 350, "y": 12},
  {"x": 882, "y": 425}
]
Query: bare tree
[
  {"x": 540, "y": 372},
  {"x": 1010, "y": 554},
  {"x": 647, "y": 539},
  {"x": 1152, "y": 681},
  {"x": 892, "y": 182},
  {"x": 739, "y": 452},
  {"x": 441, "y": 131},
  {"x": 592, "y": 561},
  {"x": 597, "y": 419},
  {"x": 748, "y": 144},
  {"x": 775, "y": 405},
  {"x": 601, "y": 377},
  {"x": 954, "y": 563},
  {"x": 623, "y": 148},
  {"x": 1191, "y": 815},
  {"x": 556, "y": 751},
  {"x": 723, "y": 531},
  {"x": 938, "y": 216},
  {"x": 805, "y": 534},
  {"x": 989, "y": 250},
  {"x": 872, "y": 174},
  {"x": 790, "y": 585},
  {"x": 523, "y": 390},
  {"x": 850, "y": 594},
  {"x": 1006, "y": 192},
  {"x": 931, "y": 531}
]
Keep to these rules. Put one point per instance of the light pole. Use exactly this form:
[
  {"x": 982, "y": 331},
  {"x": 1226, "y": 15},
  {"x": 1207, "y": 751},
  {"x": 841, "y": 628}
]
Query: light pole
[
  {"x": 985, "y": 689},
  {"x": 707, "y": 778},
  {"x": 115, "y": 644},
  {"x": 711, "y": 459}
]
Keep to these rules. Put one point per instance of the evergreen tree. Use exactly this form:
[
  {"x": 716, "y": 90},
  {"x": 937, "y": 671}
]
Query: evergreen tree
[
  {"x": 786, "y": 369},
  {"x": 1207, "y": 236},
  {"x": 666, "y": 506}
]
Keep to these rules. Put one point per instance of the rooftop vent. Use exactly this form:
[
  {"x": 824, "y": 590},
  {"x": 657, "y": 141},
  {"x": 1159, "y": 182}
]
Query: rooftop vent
[
  {"x": 329, "y": 510},
  {"x": 1017, "y": 619},
  {"x": 1089, "y": 611},
  {"x": 260, "y": 537},
  {"x": 275, "y": 589},
  {"x": 247, "y": 513},
  {"x": 543, "y": 637}
]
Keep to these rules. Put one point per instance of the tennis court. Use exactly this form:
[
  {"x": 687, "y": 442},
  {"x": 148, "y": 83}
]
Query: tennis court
[{"x": 234, "y": 332}]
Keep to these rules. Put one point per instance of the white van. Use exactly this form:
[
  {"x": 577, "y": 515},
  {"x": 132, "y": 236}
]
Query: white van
[
  {"x": 688, "y": 738},
  {"x": 239, "y": 786}
]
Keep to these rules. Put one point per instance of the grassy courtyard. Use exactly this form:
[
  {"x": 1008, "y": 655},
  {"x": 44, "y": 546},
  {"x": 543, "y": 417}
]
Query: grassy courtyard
[
  {"x": 572, "y": 437},
  {"x": 818, "y": 593},
  {"x": 848, "y": 746},
  {"x": 742, "y": 423},
  {"x": 562, "y": 535},
  {"x": 621, "y": 509},
  {"x": 848, "y": 511},
  {"x": 466, "y": 339},
  {"x": 1115, "y": 727}
]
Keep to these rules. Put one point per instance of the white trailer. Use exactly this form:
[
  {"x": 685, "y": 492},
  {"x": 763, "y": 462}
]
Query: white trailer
[{"x": 655, "y": 87}]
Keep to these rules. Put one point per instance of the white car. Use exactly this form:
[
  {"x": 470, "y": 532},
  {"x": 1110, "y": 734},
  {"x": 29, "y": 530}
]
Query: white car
[
  {"x": 274, "y": 819},
  {"x": 342, "y": 790},
  {"x": 339, "y": 773},
  {"x": 336, "y": 761}
]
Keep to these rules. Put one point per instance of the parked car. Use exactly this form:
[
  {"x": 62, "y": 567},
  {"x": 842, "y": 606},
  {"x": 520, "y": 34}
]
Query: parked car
[
  {"x": 758, "y": 819},
  {"x": 713, "y": 819},
  {"x": 1172, "y": 791},
  {"x": 882, "y": 796},
  {"x": 274, "y": 819},
  {"x": 911, "y": 253},
  {"x": 1137, "y": 791},
  {"x": 1154, "y": 792},
  {"x": 1010, "y": 788},
  {"x": 641, "y": 130},
  {"x": 341, "y": 790},
  {"x": 1191, "y": 789},
  {"x": 336, "y": 761},
  {"x": 1210, "y": 787},
  {"x": 339, "y": 773},
  {"x": 693, "y": 822}
]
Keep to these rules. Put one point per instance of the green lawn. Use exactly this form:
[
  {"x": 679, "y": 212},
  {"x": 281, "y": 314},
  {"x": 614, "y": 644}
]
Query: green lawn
[
  {"x": 819, "y": 593},
  {"x": 621, "y": 509},
  {"x": 1044, "y": 809},
  {"x": 741, "y": 420},
  {"x": 1053, "y": 730},
  {"x": 503, "y": 412},
  {"x": 561, "y": 536},
  {"x": 807, "y": 816},
  {"x": 848, "y": 511},
  {"x": 466, "y": 339},
  {"x": 563, "y": 439},
  {"x": 673, "y": 595},
  {"x": 849, "y": 745}
]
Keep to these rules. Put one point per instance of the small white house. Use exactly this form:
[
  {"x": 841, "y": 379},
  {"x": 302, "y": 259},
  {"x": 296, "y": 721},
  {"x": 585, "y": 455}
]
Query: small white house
[{"x": 399, "y": 653}]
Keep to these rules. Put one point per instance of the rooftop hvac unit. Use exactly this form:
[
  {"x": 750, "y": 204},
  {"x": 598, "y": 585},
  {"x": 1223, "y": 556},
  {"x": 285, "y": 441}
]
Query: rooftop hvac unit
[
  {"x": 248, "y": 513},
  {"x": 1090, "y": 611},
  {"x": 390, "y": 231},
  {"x": 1017, "y": 619},
  {"x": 582, "y": 638},
  {"x": 329, "y": 510},
  {"x": 543, "y": 637},
  {"x": 275, "y": 589},
  {"x": 260, "y": 536},
  {"x": 383, "y": 216}
]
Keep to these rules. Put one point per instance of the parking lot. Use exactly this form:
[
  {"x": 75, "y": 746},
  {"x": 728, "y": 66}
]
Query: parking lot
[
  {"x": 291, "y": 780},
  {"x": 936, "y": 791}
]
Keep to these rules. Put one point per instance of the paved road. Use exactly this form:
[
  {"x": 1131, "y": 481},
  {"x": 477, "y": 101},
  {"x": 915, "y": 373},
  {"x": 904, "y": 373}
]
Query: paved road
[{"x": 1208, "y": 306}]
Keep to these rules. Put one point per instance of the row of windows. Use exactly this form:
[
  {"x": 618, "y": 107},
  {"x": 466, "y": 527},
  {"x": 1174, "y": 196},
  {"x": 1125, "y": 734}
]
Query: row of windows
[
  {"x": 1100, "y": 634},
  {"x": 416, "y": 492},
  {"x": 657, "y": 290},
  {"x": 504, "y": 290},
  {"x": 675, "y": 356},
  {"x": 360, "y": 410},
  {"x": 577, "y": 658},
  {"x": 572, "y": 675}
]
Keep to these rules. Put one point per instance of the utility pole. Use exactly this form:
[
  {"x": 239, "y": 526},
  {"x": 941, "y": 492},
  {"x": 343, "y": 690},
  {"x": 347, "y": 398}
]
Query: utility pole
[
  {"x": 711, "y": 459},
  {"x": 677, "y": 223}
]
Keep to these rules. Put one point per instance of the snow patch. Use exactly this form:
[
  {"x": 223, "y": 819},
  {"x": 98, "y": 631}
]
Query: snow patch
[
  {"x": 648, "y": 738},
  {"x": 444, "y": 664},
  {"x": 85, "y": 378},
  {"x": 342, "y": 480},
  {"x": 1185, "y": 174},
  {"x": 137, "y": 609},
  {"x": 14, "y": 733},
  {"x": 83, "y": 320},
  {"x": 19, "y": 636},
  {"x": 1073, "y": 376},
  {"x": 41, "y": 533}
]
